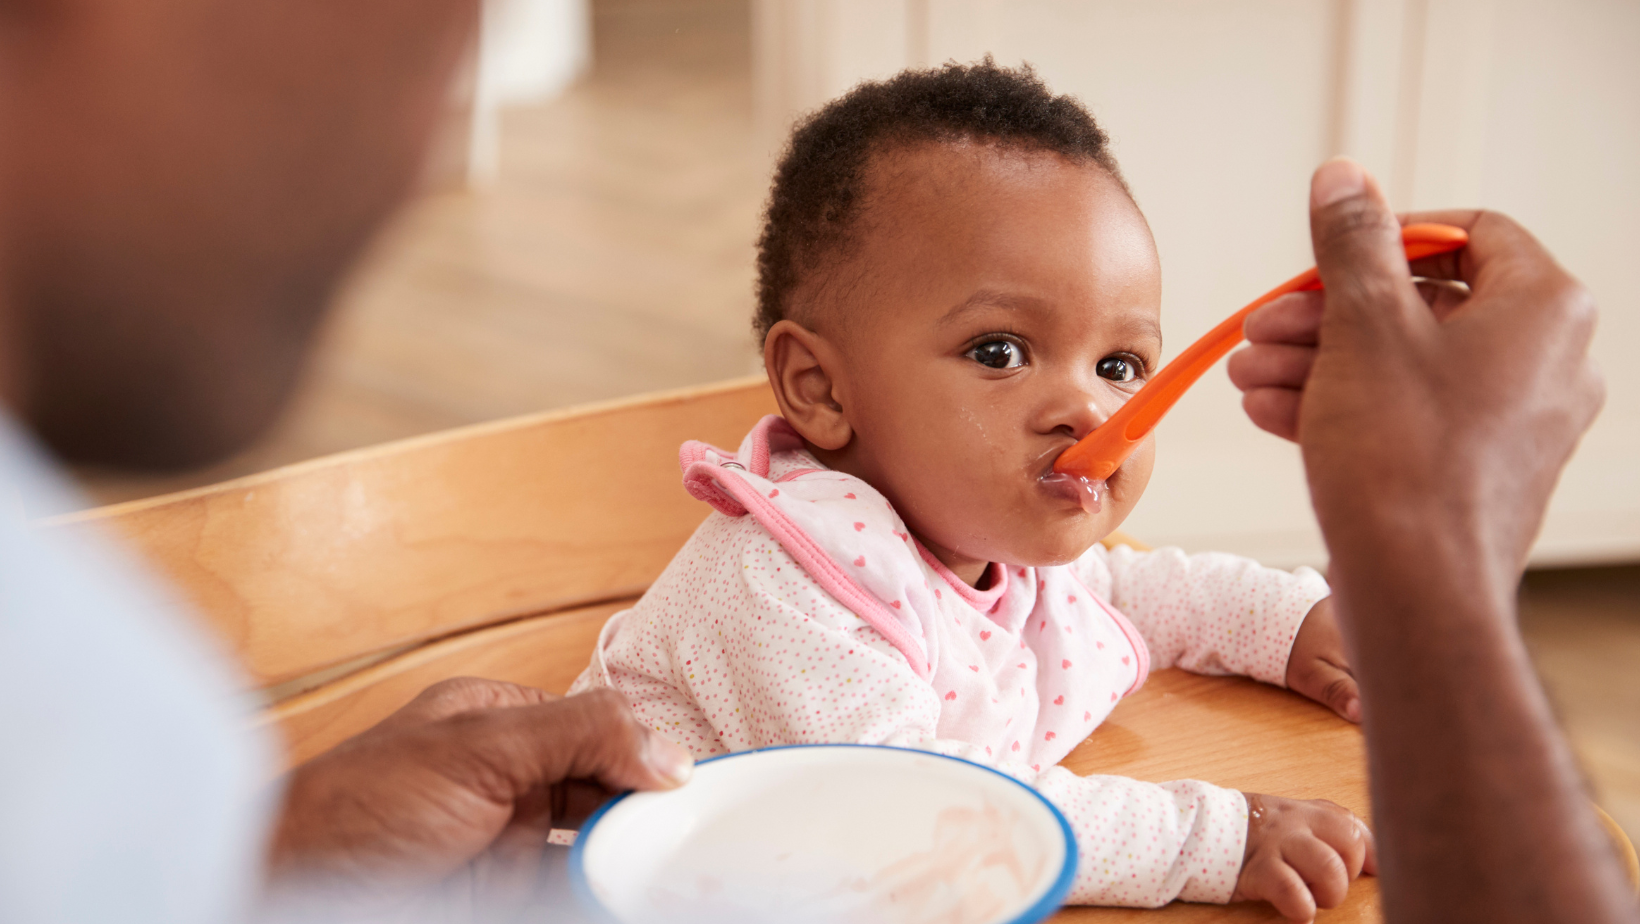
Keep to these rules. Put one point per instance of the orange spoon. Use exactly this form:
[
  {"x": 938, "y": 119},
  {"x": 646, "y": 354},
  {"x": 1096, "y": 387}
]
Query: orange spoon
[{"x": 1099, "y": 453}]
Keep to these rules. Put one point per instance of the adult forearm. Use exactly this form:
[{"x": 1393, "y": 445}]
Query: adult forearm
[{"x": 1479, "y": 808}]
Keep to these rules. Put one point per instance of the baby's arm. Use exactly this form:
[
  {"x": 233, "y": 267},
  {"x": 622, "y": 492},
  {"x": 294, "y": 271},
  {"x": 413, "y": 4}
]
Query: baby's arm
[
  {"x": 1209, "y": 613},
  {"x": 1146, "y": 844}
]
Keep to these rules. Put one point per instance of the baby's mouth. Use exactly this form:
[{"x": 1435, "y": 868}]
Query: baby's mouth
[
  {"x": 1084, "y": 491},
  {"x": 1087, "y": 492}
]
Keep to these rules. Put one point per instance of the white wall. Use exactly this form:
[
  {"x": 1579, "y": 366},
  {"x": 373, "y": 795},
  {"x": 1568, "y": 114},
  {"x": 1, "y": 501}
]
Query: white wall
[
  {"x": 532, "y": 49},
  {"x": 529, "y": 51},
  {"x": 1218, "y": 112}
]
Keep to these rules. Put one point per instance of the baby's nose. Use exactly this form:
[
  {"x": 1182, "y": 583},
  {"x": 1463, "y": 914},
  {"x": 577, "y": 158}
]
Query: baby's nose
[{"x": 1078, "y": 414}]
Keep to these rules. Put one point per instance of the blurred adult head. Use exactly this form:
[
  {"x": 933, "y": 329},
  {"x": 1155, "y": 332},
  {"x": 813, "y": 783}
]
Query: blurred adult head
[{"x": 183, "y": 183}]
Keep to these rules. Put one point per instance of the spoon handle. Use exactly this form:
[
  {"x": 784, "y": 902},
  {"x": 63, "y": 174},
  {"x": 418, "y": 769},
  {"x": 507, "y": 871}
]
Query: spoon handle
[{"x": 1101, "y": 452}]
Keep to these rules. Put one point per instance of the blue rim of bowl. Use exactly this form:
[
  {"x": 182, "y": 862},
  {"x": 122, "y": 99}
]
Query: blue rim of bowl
[{"x": 1050, "y": 901}]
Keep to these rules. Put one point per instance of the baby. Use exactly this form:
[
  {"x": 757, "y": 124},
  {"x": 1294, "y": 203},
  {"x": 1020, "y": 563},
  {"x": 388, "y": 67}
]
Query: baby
[{"x": 954, "y": 287}]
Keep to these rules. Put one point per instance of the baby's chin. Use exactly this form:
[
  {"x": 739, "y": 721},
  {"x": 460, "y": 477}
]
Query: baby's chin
[
  {"x": 1061, "y": 555},
  {"x": 1057, "y": 541},
  {"x": 1031, "y": 528}
]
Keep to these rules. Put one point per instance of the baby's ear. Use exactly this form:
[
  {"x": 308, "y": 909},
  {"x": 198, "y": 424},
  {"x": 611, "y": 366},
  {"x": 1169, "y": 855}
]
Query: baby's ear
[{"x": 801, "y": 366}]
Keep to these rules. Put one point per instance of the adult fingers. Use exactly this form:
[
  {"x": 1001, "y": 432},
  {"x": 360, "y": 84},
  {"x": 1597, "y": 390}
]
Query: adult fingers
[
  {"x": 509, "y": 867},
  {"x": 576, "y": 801},
  {"x": 1272, "y": 370},
  {"x": 1445, "y": 265},
  {"x": 1358, "y": 248},
  {"x": 1274, "y": 410},
  {"x": 464, "y": 694},
  {"x": 1443, "y": 296},
  {"x": 1495, "y": 239},
  {"x": 1271, "y": 365},
  {"x": 506, "y": 753},
  {"x": 1321, "y": 868},
  {"x": 515, "y": 854},
  {"x": 1292, "y": 318},
  {"x": 1503, "y": 256},
  {"x": 1526, "y": 302}
]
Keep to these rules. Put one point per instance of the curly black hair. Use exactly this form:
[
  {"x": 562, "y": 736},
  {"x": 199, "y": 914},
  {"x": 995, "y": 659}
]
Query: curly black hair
[{"x": 817, "y": 183}]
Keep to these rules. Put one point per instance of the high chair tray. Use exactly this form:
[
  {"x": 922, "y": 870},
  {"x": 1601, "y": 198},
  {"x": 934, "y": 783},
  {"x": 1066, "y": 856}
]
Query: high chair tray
[{"x": 1236, "y": 733}]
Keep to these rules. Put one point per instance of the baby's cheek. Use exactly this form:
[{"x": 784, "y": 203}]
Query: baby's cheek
[
  {"x": 1128, "y": 483},
  {"x": 952, "y": 505}
]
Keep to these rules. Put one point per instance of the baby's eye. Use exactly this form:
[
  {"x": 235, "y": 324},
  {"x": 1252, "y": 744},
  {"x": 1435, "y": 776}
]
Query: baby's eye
[
  {"x": 1118, "y": 368},
  {"x": 998, "y": 354}
]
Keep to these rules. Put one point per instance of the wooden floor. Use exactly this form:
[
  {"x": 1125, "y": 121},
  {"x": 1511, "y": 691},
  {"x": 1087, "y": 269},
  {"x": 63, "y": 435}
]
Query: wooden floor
[
  {"x": 614, "y": 256},
  {"x": 1583, "y": 629}
]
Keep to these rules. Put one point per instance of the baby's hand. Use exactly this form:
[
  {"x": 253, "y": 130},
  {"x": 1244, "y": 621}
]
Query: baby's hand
[
  {"x": 1317, "y": 666},
  {"x": 1302, "y": 853}
]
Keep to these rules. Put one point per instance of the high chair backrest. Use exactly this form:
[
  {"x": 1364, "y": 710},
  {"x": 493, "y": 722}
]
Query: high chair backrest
[
  {"x": 326, "y": 561},
  {"x": 495, "y": 550}
]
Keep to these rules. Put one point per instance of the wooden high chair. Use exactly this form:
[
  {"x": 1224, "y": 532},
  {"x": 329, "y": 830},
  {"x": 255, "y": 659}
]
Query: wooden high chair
[{"x": 348, "y": 584}]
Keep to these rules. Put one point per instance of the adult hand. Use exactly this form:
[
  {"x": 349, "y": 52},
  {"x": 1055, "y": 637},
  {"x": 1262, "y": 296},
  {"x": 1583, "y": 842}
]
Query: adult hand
[
  {"x": 469, "y": 769},
  {"x": 1434, "y": 420},
  {"x": 1400, "y": 394}
]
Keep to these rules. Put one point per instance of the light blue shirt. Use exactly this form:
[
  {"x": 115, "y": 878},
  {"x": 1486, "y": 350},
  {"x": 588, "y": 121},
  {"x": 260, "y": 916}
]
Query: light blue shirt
[{"x": 131, "y": 788}]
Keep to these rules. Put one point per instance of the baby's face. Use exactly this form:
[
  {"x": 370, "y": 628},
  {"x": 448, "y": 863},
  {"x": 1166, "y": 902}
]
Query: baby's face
[{"x": 997, "y": 306}]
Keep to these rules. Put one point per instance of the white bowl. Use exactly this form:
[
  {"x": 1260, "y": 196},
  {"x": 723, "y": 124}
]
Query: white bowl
[{"x": 828, "y": 832}]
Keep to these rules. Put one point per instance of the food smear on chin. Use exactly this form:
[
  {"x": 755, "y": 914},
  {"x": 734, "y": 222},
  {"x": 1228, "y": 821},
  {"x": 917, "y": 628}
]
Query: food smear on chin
[{"x": 1089, "y": 492}]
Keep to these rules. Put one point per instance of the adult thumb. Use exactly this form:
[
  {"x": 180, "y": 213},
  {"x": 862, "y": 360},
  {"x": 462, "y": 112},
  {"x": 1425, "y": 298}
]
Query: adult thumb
[{"x": 1358, "y": 249}]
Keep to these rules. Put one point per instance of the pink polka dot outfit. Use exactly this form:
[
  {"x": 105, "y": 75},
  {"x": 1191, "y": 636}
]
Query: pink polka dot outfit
[{"x": 803, "y": 611}]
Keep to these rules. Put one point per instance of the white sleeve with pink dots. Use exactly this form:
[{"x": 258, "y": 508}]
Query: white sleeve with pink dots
[
  {"x": 736, "y": 647},
  {"x": 1209, "y": 613}
]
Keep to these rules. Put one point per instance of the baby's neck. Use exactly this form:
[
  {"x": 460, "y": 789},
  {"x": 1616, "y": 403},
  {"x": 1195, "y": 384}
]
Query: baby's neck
[{"x": 972, "y": 571}]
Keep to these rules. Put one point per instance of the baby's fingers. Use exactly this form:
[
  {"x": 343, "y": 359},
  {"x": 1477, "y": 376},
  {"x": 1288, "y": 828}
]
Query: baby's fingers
[
  {"x": 1280, "y": 885},
  {"x": 1322, "y": 869},
  {"x": 1359, "y": 848},
  {"x": 1344, "y": 831},
  {"x": 1331, "y": 686}
]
